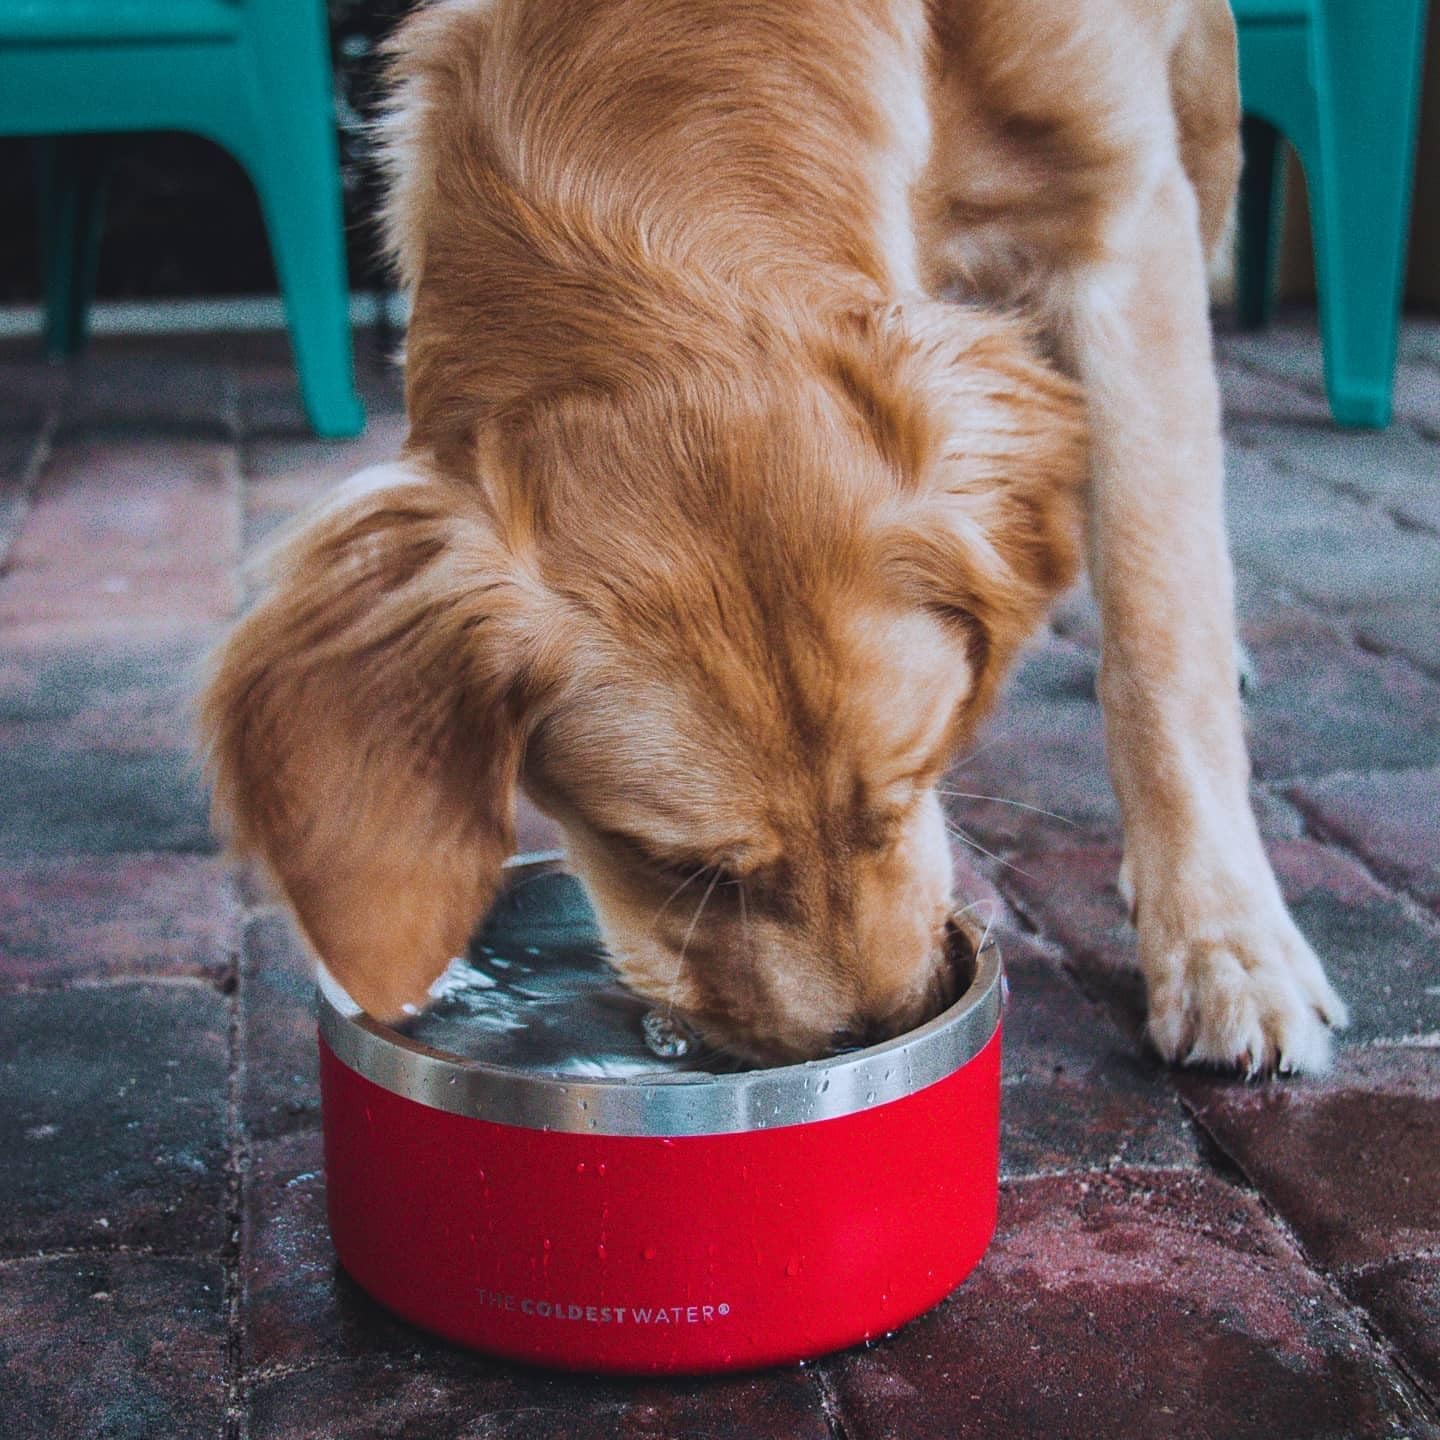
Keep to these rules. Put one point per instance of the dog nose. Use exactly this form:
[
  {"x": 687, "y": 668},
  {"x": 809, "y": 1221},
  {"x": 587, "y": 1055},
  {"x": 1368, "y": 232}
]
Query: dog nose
[
  {"x": 919, "y": 1005},
  {"x": 864, "y": 1033}
]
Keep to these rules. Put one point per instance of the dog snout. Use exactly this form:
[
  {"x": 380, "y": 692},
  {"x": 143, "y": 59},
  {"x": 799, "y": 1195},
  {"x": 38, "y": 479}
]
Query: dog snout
[{"x": 920, "y": 1002}]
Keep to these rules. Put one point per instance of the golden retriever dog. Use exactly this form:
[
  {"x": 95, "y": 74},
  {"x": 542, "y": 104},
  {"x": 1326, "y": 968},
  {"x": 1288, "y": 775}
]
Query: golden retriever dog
[{"x": 717, "y": 526}]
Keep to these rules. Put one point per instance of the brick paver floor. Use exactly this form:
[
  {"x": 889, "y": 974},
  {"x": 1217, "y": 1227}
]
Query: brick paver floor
[{"x": 1178, "y": 1255}]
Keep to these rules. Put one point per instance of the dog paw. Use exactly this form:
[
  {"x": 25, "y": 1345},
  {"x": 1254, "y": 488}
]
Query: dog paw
[{"x": 1249, "y": 996}]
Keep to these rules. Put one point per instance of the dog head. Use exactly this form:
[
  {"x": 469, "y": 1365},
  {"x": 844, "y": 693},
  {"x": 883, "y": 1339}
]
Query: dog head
[{"x": 729, "y": 633}]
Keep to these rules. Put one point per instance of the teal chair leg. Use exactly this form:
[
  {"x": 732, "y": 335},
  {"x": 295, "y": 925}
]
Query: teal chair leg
[
  {"x": 293, "y": 160},
  {"x": 72, "y": 173},
  {"x": 1261, "y": 222},
  {"x": 302, "y": 215},
  {"x": 1360, "y": 199}
]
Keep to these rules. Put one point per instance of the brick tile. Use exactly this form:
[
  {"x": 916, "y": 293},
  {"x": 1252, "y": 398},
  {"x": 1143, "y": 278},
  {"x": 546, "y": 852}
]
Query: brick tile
[
  {"x": 1417, "y": 395},
  {"x": 1388, "y": 818},
  {"x": 1403, "y": 1299},
  {"x": 127, "y": 693},
  {"x": 1381, "y": 957},
  {"x": 1420, "y": 340},
  {"x": 1247, "y": 393},
  {"x": 268, "y": 402},
  {"x": 1322, "y": 705},
  {"x": 84, "y": 802},
  {"x": 1393, "y": 469},
  {"x": 1265, "y": 612},
  {"x": 143, "y": 529},
  {"x": 1277, "y": 818},
  {"x": 1266, "y": 503},
  {"x": 129, "y": 1347},
  {"x": 112, "y": 1130},
  {"x": 1345, "y": 561},
  {"x": 72, "y": 918},
  {"x": 1290, "y": 353},
  {"x": 473, "y": 1398},
  {"x": 105, "y": 599},
  {"x": 1288, "y": 349},
  {"x": 1077, "y": 1094},
  {"x": 298, "y": 1306},
  {"x": 1044, "y": 749},
  {"x": 1071, "y": 897},
  {"x": 33, "y": 388},
  {"x": 149, "y": 385},
  {"x": 1410, "y": 630},
  {"x": 1169, "y": 1307},
  {"x": 1352, "y": 1162},
  {"x": 312, "y": 466},
  {"x": 279, "y": 1078}
]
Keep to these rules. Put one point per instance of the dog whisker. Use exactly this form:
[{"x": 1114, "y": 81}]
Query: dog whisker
[
  {"x": 989, "y": 919},
  {"x": 974, "y": 844},
  {"x": 1000, "y": 800},
  {"x": 979, "y": 750},
  {"x": 745, "y": 923},
  {"x": 673, "y": 895},
  {"x": 685, "y": 943}
]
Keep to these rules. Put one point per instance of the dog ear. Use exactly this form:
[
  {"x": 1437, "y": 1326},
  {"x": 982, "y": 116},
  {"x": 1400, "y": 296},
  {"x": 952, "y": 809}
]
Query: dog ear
[
  {"x": 364, "y": 728},
  {"x": 990, "y": 449}
]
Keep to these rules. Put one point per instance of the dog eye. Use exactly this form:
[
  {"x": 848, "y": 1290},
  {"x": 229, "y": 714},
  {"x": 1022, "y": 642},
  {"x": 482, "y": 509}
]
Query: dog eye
[
  {"x": 696, "y": 870},
  {"x": 675, "y": 868}
]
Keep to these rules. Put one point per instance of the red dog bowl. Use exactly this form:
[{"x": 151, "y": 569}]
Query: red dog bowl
[{"x": 516, "y": 1172}]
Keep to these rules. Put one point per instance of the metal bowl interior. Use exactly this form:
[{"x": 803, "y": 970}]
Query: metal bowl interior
[{"x": 681, "y": 1102}]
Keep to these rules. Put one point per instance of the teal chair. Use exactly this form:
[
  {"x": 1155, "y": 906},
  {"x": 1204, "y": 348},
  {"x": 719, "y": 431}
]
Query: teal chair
[
  {"x": 252, "y": 75},
  {"x": 1340, "y": 79}
]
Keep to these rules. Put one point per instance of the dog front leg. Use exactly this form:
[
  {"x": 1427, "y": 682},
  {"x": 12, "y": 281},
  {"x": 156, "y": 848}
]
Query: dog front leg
[{"x": 1230, "y": 980}]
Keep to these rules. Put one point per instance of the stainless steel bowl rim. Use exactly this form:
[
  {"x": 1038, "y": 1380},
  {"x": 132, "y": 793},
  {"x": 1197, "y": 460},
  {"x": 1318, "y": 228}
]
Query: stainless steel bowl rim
[{"x": 683, "y": 1103}]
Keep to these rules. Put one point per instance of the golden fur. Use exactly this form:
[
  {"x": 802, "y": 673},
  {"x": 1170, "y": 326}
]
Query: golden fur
[{"x": 716, "y": 529}]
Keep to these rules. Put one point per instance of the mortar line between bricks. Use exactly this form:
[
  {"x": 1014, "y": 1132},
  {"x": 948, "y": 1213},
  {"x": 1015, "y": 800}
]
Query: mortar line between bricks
[
  {"x": 830, "y": 1404},
  {"x": 41, "y": 449},
  {"x": 1115, "y": 1166},
  {"x": 1340, "y": 625},
  {"x": 1415, "y": 910},
  {"x": 235, "y": 1421},
  {"x": 94, "y": 1252},
  {"x": 1363, "y": 500},
  {"x": 1370, "y": 647},
  {"x": 1357, "y": 1272},
  {"x": 287, "y": 1369},
  {"x": 1345, "y": 631},
  {"x": 1413, "y": 906},
  {"x": 218, "y": 981}
]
